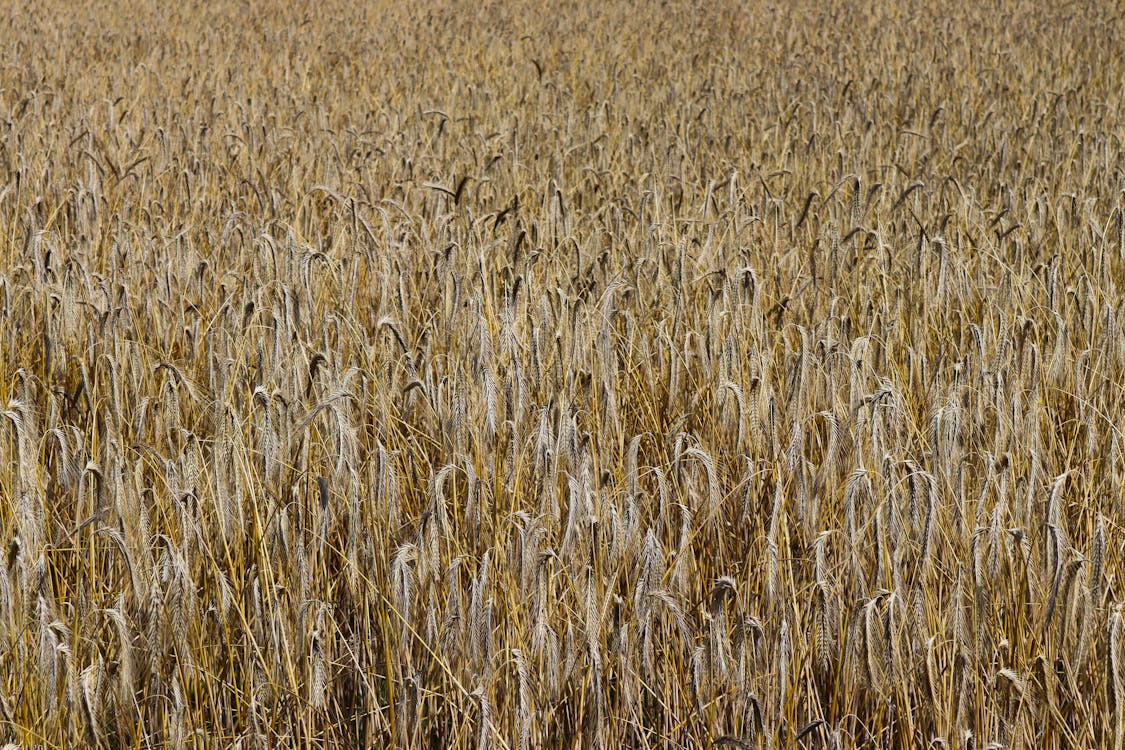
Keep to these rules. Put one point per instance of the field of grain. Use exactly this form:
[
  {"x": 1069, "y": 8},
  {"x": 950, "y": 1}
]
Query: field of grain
[{"x": 519, "y": 375}]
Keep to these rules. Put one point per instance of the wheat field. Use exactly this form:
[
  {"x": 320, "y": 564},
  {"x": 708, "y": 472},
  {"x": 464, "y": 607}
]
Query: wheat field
[{"x": 514, "y": 375}]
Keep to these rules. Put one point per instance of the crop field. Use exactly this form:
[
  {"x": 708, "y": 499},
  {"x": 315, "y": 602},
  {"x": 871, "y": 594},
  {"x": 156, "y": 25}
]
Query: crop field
[{"x": 577, "y": 375}]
